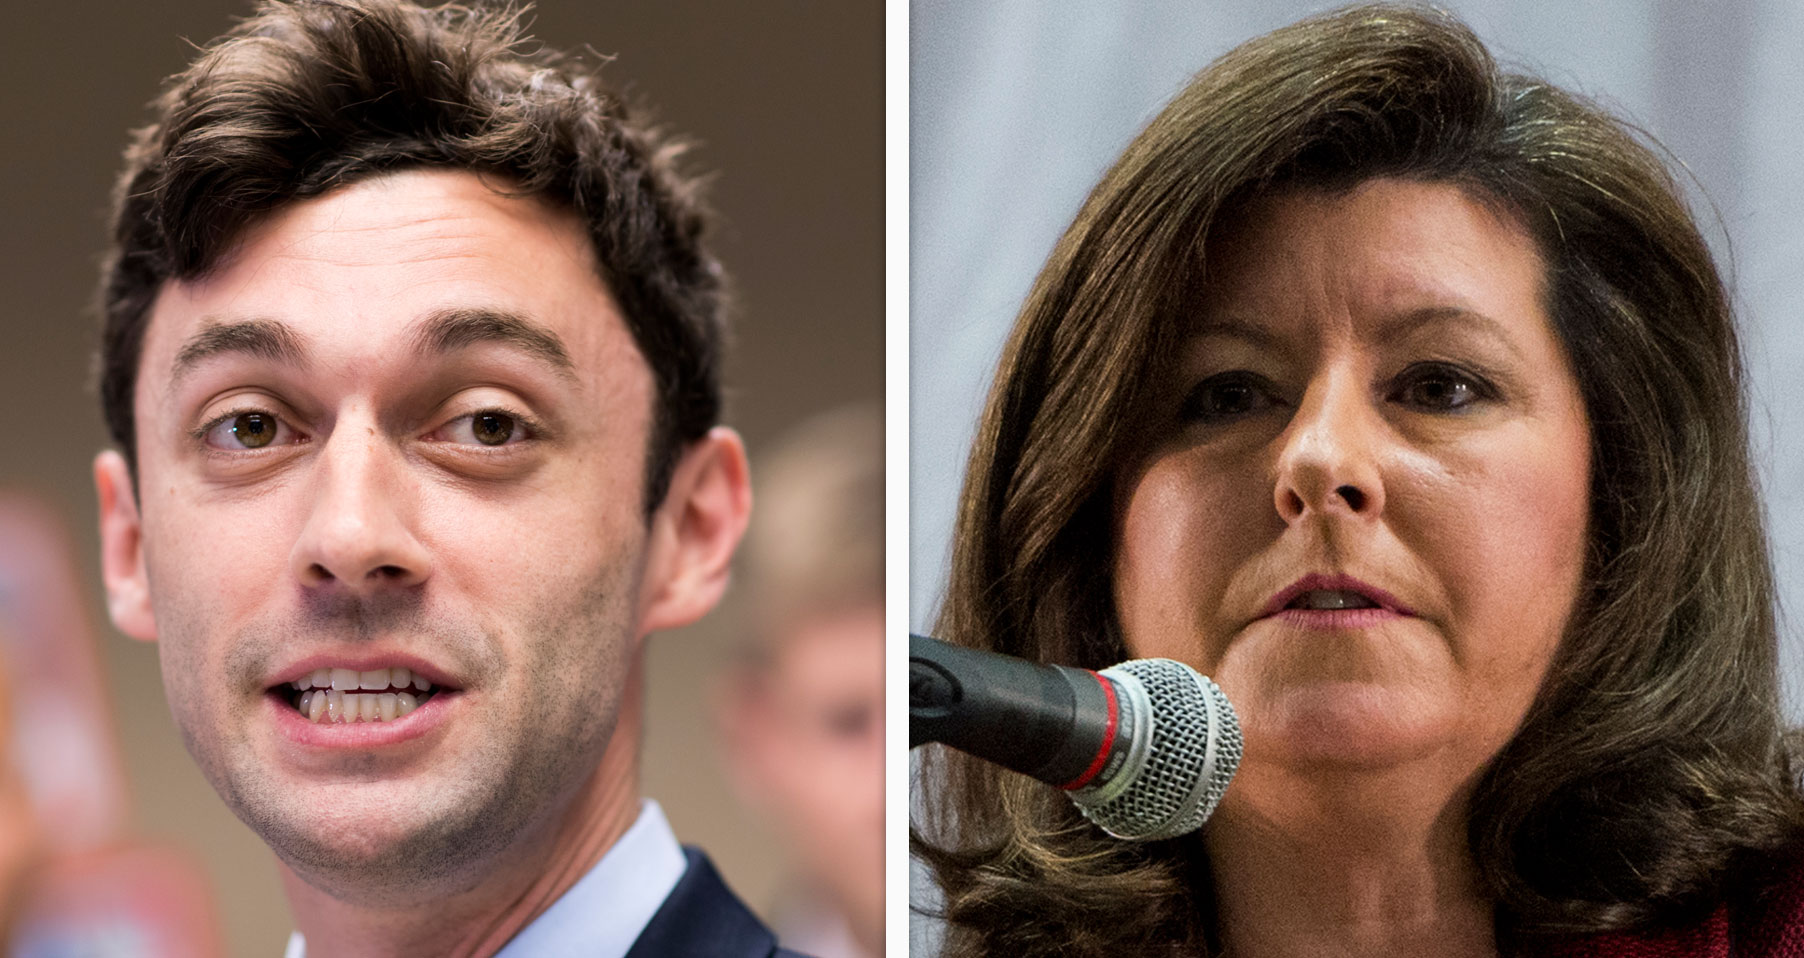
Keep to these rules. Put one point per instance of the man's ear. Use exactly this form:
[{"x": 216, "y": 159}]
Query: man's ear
[
  {"x": 122, "y": 549},
  {"x": 694, "y": 532}
]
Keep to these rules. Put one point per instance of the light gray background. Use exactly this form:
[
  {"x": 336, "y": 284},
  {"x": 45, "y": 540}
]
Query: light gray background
[{"x": 1018, "y": 106}]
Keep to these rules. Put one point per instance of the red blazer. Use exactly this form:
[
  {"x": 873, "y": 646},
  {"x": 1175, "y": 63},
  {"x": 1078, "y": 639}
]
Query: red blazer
[{"x": 1766, "y": 923}]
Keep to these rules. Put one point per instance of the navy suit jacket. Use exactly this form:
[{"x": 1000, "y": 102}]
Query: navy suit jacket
[{"x": 703, "y": 919}]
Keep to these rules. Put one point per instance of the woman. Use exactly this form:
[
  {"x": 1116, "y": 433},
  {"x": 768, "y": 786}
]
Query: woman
[{"x": 1401, "y": 396}]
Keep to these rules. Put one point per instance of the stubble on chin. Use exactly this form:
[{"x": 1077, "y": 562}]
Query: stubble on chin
[{"x": 540, "y": 724}]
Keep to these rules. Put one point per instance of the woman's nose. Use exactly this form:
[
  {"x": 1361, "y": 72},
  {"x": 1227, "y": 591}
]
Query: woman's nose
[
  {"x": 1328, "y": 460},
  {"x": 359, "y": 536}
]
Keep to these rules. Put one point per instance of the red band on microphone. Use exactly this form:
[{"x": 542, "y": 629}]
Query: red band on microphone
[{"x": 1108, "y": 737}]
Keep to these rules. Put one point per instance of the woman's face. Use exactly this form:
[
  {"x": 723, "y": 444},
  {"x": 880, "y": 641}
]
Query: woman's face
[{"x": 1363, "y": 510}]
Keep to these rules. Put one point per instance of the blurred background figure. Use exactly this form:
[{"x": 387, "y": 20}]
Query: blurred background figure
[
  {"x": 75, "y": 880},
  {"x": 21, "y": 841},
  {"x": 802, "y": 711}
]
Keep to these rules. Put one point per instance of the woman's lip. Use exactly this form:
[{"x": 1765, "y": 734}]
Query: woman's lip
[
  {"x": 1316, "y": 581},
  {"x": 295, "y": 727},
  {"x": 1336, "y": 619}
]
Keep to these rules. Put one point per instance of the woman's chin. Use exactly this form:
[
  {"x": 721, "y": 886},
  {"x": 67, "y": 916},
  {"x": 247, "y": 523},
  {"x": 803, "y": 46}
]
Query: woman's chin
[{"x": 1346, "y": 725}]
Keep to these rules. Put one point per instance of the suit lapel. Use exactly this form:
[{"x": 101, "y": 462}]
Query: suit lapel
[{"x": 703, "y": 918}]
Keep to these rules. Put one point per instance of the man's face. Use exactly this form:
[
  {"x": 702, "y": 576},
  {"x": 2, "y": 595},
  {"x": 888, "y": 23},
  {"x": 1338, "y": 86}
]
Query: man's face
[{"x": 402, "y": 426}]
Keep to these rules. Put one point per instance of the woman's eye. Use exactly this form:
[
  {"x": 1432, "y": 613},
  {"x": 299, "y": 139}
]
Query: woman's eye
[
  {"x": 1439, "y": 388},
  {"x": 1226, "y": 396},
  {"x": 251, "y": 429},
  {"x": 491, "y": 427}
]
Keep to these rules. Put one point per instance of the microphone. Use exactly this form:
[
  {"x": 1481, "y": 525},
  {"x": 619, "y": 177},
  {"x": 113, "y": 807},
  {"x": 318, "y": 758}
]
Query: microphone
[{"x": 1145, "y": 749}]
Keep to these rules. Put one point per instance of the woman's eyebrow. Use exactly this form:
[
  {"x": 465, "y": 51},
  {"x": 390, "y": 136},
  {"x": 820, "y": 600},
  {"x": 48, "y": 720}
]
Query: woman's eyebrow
[
  {"x": 1407, "y": 323},
  {"x": 269, "y": 339},
  {"x": 1234, "y": 327}
]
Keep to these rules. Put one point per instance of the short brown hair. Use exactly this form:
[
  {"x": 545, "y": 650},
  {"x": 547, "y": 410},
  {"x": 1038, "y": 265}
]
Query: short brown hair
[
  {"x": 306, "y": 96},
  {"x": 1652, "y": 769}
]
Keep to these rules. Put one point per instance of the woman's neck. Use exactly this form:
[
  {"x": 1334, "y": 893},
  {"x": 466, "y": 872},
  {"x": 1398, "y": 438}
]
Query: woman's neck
[{"x": 1354, "y": 865}]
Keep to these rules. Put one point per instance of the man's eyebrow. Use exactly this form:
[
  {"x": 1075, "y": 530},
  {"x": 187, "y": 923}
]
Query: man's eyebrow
[
  {"x": 453, "y": 329},
  {"x": 268, "y": 339}
]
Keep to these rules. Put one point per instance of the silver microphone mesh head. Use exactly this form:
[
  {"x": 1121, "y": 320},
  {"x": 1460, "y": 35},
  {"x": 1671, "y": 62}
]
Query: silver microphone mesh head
[{"x": 1175, "y": 776}]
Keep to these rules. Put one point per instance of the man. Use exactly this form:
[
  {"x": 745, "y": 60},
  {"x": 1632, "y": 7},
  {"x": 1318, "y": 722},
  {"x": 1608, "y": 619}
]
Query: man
[
  {"x": 410, "y": 355},
  {"x": 802, "y": 713}
]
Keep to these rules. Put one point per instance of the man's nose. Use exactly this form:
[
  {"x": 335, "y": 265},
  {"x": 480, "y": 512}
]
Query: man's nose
[
  {"x": 359, "y": 534},
  {"x": 1329, "y": 457}
]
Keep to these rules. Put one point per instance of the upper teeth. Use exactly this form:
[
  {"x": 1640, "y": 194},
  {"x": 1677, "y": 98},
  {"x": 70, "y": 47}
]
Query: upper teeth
[
  {"x": 1332, "y": 599},
  {"x": 333, "y": 695},
  {"x": 350, "y": 680}
]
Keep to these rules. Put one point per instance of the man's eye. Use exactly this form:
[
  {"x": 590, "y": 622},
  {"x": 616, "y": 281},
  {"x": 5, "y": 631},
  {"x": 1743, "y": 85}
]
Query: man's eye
[
  {"x": 1437, "y": 387},
  {"x": 491, "y": 427},
  {"x": 1226, "y": 396},
  {"x": 250, "y": 429}
]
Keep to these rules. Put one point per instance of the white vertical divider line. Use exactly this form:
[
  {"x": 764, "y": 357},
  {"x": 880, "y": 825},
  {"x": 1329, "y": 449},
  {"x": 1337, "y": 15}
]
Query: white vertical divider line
[{"x": 895, "y": 480}]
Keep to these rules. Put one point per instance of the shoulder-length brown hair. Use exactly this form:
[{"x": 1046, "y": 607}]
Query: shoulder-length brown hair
[{"x": 1652, "y": 769}]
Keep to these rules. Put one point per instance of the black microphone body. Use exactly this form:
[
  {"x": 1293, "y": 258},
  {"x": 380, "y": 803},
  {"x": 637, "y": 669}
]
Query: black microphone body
[
  {"x": 1061, "y": 725},
  {"x": 1144, "y": 749}
]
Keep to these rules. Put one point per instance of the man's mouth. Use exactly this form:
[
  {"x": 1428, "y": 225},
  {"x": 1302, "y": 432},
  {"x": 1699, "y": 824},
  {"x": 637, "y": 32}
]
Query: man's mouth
[{"x": 334, "y": 696}]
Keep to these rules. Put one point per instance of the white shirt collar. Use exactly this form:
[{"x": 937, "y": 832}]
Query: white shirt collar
[{"x": 605, "y": 911}]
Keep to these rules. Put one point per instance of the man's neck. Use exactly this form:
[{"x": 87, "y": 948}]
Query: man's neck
[{"x": 495, "y": 907}]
